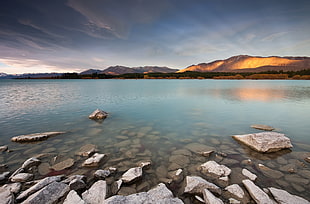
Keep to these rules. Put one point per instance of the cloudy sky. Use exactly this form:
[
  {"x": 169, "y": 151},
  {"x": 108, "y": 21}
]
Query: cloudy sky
[{"x": 75, "y": 35}]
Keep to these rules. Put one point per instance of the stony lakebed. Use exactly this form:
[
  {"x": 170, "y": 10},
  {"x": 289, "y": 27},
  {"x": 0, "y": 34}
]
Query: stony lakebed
[{"x": 133, "y": 167}]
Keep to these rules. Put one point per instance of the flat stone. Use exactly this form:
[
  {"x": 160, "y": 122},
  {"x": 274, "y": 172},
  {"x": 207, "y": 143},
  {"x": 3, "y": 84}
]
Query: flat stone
[
  {"x": 270, "y": 172},
  {"x": 262, "y": 127},
  {"x": 87, "y": 150},
  {"x": 132, "y": 174},
  {"x": 291, "y": 168},
  {"x": 96, "y": 194},
  {"x": 179, "y": 159},
  {"x": 159, "y": 194},
  {"x": 177, "y": 175},
  {"x": 73, "y": 198},
  {"x": 197, "y": 147},
  {"x": 49, "y": 194},
  {"x": 3, "y": 148},
  {"x": 44, "y": 168},
  {"x": 35, "y": 137},
  {"x": 41, "y": 184},
  {"x": 205, "y": 153},
  {"x": 256, "y": 193},
  {"x": 98, "y": 115},
  {"x": 209, "y": 198},
  {"x": 283, "y": 197},
  {"x": 101, "y": 174},
  {"x": 249, "y": 174},
  {"x": 22, "y": 177},
  {"x": 236, "y": 191},
  {"x": 214, "y": 168},
  {"x": 63, "y": 165},
  {"x": 265, "y": 141},
  {"x": 93, "y": 160},
  {"x": 196, "y": 185},
  {"x": 296, "y": 179}
]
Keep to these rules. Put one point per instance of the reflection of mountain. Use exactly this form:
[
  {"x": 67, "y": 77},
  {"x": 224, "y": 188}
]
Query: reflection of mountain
[
  {"x": 245, "y": 63},
  {"x": 257, "y": 94}
]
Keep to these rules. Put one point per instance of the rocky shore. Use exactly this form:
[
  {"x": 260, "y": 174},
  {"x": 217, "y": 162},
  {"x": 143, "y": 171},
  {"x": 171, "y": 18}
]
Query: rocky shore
[{"x": 129, "y": 171}]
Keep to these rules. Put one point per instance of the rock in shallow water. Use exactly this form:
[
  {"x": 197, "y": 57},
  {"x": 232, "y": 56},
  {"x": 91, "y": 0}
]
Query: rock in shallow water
[
  {"x": 93, "y": 160},
  {"x": 214, "y": 168},
  {"x": 98, "y": 115},
  {"x": 132, "y": 174},
  {"x": 284, "y": 197},
  {"x": 96, "y": 194},
  {"x": 35, "y": 137},
  {"x": 265, "y": 141},
  {"x": 262, "y": 127},
  {"x": 209, "y": 198},
  {"x": 63, "y": 165},
  {"x": 87, "y": 150},
  {"x": 196, "y": 185},
  {"x": 256, "y": 193}
]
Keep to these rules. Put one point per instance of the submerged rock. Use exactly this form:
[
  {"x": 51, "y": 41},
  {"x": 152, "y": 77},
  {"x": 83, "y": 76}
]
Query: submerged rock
[
  {"x": 283, "y": 197},
  {"x": 87, "y": 150},
  {"x": 262, "y": 127},
  {"x": 35, "y": 137},
  {"x": 132, "y": 174},
  {"x": 63, "y": 165},
  {"x": 49, "y": 194},
  {"x": 93, "y": 160},
  {"x": 270, "y": 172},
  {"x": 216, "y": 169},
  {"x": 196, "y": 185},
  {"x": 98, "y": 115},
  {"x": 209, "y": 198},
  {"x": 96, "y": 194},
  {"x": 159, "y": 194},
  {"x": 265, "y": 141},
  {"x": 256, "y": 193},
  {"x": 3, "y": 148}
]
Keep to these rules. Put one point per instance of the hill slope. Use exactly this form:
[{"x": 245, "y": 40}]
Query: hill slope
[{"x": 245, "y": 63}]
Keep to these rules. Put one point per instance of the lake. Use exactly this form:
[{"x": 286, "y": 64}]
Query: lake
[{"x": 159, "y": 120}]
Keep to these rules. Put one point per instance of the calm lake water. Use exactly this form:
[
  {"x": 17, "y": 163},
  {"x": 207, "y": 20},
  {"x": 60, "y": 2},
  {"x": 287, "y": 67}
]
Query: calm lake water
[{"x": 153, "y": 119}]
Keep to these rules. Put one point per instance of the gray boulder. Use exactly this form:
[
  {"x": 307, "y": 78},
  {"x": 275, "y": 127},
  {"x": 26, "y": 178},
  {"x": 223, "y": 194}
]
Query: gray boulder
[
  {"x": 22, "y": 177},
  {"x": 73, "y": 198},
  {"x": 6, "y": 196},
  {"x": 236, "y": 191},
  {"x": 196, "y": 185},
  {"x": 49, "y": 194},
  {"x": 35, "y": 137},
  {"x": 132, "y": 175},
  {"x": 98, "y": 115},
  {"x": 93, "y": 160},
  {"x": 265, "y": 141},
  {"x": 256, "y": 193},
  {"x": 283, "y": 197},
  {"x": 160, "y": 194},
  {"x": 209, "y": 198},
  {"x": 249, "y": 174},
  {"x": 96, "y": 194},
  {"x": 216, "y": 169},
  {"x": 101, "y": 174}
]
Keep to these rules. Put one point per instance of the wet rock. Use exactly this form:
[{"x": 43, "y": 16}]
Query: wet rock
[
  {"x": 98, "y": 115},
  {"x": 116, "y": 186},
  {"x": 196, "y": 185},
  {"x": 73, "y": 198},
  {"x": 209, "y": 198},
  {"x": 101, "y": 174},
  {"x": 283, "y": 197},
  {"x": 179, "y": 159},
  {"x": 63, "y": 165},
  {"x": 42, "y": 183},
  {"x": 49, "y": 194},
  {"x": 76, "y": 176},
  {"x": 22, "y": 177},
  {"x": 93, "y": 160},
  {"x": 44, "y": 168},
  {"x": 304, "y": 173},
  {"x": 197, "y": 147},
  {"x": 262, "y": 127},
  {"x": 200, "y": 199},
  {"x": 4, "y": 176},
  {"x": 281, "y": 160},
  {"x": 270, "y": 172},
  {"x": 211, "y": 167},
  {"x": 174, "y": 166},
  {"x": 159, "y": 194},
  {"x": 31, "y": 162},
  {"x": 184, "y": 152},
  {"x": 177, "y": 175},
  {"x": 296, "y": 179},
  {"x": 77, "y": 184},
  {"x": 87, "y": 150},
  {"x": 249, "y": 174},
  {"x": 265, "y": 141},
  {"x": 291, "y": 168},
  {"x": 256, "y": 193},
  {"x": 3, "y": 148},
  {"x": 236, "y": 191},
  {"x": 3, "y": 167},
  {"x": 307, "y": 159},
  {"x": 35, "y": 137},
  {"x": 132, "y": 175},
  {"x": 205, "y": 153},
  {"x": 145, "y": 165},
  {"x": 96, "y": 194}
]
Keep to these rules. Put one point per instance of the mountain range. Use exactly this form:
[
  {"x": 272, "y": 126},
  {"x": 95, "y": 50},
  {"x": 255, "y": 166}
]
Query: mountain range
[
  {"x": 240, "y": 63},
  {"x": 246, "y": 63}
]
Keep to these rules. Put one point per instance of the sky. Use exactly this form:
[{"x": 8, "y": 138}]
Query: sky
[{"x": 75, "y": 35}]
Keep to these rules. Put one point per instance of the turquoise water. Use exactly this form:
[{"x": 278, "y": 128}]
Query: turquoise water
[{"x": 153, "y": 118}]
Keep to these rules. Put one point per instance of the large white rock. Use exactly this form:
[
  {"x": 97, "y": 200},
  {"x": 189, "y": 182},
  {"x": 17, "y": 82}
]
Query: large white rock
[
  {"x": 96, "y": 194},
  {"x": 249, "y": 174},
  {"x": 73, "y": 198},
  {"x": 214, "y": 168},
  {"x": 98, "y": 115},
  {"x": 49, "y": 194},
  {"x": 34, "y": 137},
  {"x": 283, "y": 197},
  {"x": 132, "y": 174},
  {"x": 160, "y": 194},
  {"x": 196, "y": 185},
  {"x": 235, "y": 190},
  {"x": 209, "y": 198},
  {"x": 93, "y": 160},
  {"x": 256, "y": 193},
  {"x": 265, "y": 141}
]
